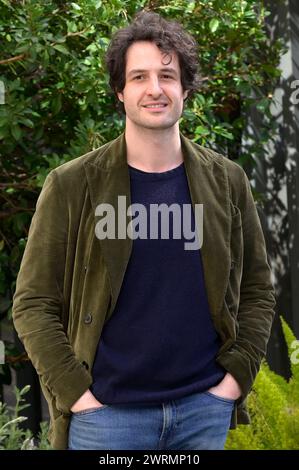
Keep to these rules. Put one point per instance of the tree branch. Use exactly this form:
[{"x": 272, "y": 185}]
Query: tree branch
[
  {"x": 12, "y": 59},
  {"x": 78, "y": 33},
  {"x": 20, "y": 358}
]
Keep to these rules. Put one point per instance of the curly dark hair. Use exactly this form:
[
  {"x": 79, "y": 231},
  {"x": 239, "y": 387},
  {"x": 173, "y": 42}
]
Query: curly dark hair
[{"x": 169, "y": 36}]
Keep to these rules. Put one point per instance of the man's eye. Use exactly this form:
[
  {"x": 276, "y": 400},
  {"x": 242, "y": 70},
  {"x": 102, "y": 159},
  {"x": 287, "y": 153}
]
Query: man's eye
[
  {"x": 167, "y": 76},
  {"x": 138, "y": 77}
]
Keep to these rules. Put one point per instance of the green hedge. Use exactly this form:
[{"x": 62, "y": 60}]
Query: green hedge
[{"x": 274, "y": 408}]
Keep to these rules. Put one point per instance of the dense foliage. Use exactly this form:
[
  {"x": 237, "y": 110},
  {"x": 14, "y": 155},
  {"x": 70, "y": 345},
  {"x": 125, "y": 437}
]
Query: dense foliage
[
  {"x": 12, "y": 435},
  {"x": 274, "y": 408}
]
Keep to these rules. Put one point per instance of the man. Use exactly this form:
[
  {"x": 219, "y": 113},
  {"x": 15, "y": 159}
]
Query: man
[{"x": 139, "y": 342}]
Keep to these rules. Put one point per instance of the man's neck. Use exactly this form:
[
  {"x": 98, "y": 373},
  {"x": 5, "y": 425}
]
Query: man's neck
[{"x": 153, "y": 150}]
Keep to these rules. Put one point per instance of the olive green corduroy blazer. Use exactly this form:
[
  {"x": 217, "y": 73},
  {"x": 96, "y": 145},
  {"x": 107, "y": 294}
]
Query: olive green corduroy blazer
[{"x": 69, "y": 280}]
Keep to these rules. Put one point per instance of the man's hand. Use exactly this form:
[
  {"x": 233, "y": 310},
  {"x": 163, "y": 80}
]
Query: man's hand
[
  {"x": 227, "y": 388},
  {"x": 86, "y": 401}
]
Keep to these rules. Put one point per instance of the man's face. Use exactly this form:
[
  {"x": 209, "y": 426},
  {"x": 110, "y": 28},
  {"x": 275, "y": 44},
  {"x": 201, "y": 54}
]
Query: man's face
[{"x": 153, "y": 96}]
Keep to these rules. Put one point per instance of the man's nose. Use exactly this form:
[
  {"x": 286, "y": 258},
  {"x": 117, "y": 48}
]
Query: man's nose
[{"x": 154, "y": 87}]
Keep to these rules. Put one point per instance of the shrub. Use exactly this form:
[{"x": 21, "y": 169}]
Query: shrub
[
  {"x": 274, "y": 407},
  {"x": 12, "y": 436}
]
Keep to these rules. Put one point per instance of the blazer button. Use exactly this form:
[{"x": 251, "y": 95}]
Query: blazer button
[{"x": 88, "y": 319}]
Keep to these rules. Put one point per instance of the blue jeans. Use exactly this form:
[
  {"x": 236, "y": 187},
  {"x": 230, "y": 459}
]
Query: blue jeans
[{"x": 195, "y": 422}]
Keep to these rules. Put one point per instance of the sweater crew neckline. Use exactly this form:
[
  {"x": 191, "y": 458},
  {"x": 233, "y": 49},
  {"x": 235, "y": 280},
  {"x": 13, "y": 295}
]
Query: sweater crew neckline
[{"x": 141, "y": 174}]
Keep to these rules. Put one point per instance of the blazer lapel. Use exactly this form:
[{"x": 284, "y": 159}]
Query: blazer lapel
[
  {"x": 108, "y": 178},
  {"x": 208, "y": 184}
]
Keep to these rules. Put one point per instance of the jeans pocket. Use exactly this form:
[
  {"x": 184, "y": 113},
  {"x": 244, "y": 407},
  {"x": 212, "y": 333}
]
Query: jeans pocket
[
  {"x": 89, "y": 411},
  {"x": 229, "y": 401}
]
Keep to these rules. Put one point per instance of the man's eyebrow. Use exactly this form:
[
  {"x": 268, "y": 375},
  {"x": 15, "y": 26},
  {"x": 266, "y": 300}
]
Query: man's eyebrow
[
  {"x": 136, "y": 71},
  {"x": 170, "y": 70},
  {"x": 164, "y": 69}
]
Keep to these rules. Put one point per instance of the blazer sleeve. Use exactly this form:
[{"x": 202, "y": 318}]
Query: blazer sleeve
[
  {"x": 38, "y": 299},
  {"x": 257, "y": 299}
]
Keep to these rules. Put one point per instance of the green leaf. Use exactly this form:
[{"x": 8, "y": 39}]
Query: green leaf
[
  {"x": 76, "y": 6},
  {"x": 16, "y": 132},
  {"x": 190, "y": 7},
  {"x": 243, "y": 5},
  {"x": 201, "y": 130},
  {"x": 61, "y": 48},
  {"x": 10, "y": 190},
  {"x": 46, "y": 56},
  {"x": 60, "y": 85},
  {"x": 56, "y": 104},
  {"x": 263, "y": 105},
  {"x": 213, "y": 25},
  {"x": 27, "y": 122},
  {"x": 244, "y": 88},
  {"x": 71, "y": 27},
  {"x": 221, "y": 130}
]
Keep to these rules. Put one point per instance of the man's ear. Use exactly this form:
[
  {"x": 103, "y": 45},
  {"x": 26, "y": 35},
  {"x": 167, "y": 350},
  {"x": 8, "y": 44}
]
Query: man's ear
[
  {"x": 120, "y": 96},
  {"x": 185, "y": 94}
]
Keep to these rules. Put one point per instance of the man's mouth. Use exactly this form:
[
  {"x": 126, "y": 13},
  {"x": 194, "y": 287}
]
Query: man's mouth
[{"x": 154, "y": 106}]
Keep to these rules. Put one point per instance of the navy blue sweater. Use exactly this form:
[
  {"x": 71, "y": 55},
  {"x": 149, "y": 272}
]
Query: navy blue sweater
[{"x": 160, "y": 343}]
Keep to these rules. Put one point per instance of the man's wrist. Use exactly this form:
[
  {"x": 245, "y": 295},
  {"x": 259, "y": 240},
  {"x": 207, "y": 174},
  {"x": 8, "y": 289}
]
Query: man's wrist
[
  {"x": 227, "y": 388},
  {"x": 231, "y": 386}
]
